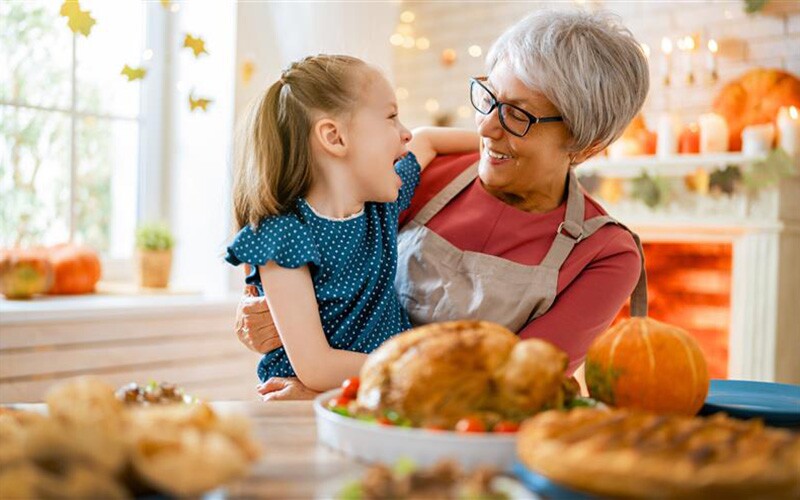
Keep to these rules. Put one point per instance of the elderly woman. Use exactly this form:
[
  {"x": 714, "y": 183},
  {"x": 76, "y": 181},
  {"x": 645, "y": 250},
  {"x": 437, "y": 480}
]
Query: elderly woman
[{"x": 507, "y": 234}]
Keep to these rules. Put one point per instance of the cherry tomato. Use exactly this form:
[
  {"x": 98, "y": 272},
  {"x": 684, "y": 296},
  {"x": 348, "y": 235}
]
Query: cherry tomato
[
  {"x": 340, "y": 402},
  {"x": 384, "y": 421},
  {"x": 470, "y": 424},
  {"x": 506, "y": 426},
  {"x": 350, "y": 387}
]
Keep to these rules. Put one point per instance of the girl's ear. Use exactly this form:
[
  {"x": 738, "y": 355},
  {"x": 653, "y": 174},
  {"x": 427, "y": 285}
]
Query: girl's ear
[{"x": 330, "y": 135}]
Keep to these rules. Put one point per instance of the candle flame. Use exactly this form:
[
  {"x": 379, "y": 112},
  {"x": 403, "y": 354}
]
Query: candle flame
[
  {"x": 713, "y": 47},
  {"x": 686, "y": 43},
  {"x": 666, "y": 45},
  {"x": 793, "y": 113}
]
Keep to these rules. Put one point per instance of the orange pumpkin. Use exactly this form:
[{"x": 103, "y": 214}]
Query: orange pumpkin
[
  {"x": 76, "y": 269},
  {"x": 24, "y": 272},
  {"x": 754, "y": 99},
  {"x": 646, "y": 364}
]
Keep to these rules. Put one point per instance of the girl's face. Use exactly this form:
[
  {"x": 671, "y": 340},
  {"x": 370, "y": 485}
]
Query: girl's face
[{"x": 377, "y": 140}]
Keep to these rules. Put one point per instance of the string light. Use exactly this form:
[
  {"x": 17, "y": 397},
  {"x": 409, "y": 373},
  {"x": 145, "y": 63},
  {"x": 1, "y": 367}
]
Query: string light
[
  {"x": 423, "y": 43},
  {"x": 396, "y": 39},
  {"x": 432, "y": 105},
  {"x": 408, "y": 42},
  {"x": 475, "y": 51},
  {"x": 407, "y": 16},
  {"x": 147, "y": 54}
]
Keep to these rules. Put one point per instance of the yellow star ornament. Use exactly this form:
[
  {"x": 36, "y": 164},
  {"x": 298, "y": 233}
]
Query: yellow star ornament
[
  {"x": 198, "y": 103},
  {"x": 198, "y": 45},
  {"x": 133, "y": 73},
  {"x": 79, "y": 21},
  {"x": 248, "y": 69}
]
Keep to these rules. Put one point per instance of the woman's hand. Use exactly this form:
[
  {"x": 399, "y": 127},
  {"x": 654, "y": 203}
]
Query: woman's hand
[
  {"x": 254, "y": 325},
  {"x": 279, "y": 388}
]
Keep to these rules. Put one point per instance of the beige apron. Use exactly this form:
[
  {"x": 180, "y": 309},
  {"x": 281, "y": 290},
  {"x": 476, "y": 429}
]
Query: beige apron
[{"x": 438, "y": 282}]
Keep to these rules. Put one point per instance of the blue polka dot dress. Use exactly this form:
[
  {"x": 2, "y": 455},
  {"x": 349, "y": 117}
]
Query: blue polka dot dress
[{"x": 352, "y": 262}]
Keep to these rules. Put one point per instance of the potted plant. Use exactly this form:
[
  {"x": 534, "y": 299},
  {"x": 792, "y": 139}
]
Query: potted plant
[{"x": 154, "y": 243}]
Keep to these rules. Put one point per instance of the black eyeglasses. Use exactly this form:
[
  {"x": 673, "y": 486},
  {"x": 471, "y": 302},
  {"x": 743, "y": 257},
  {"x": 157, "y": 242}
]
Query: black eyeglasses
[{"x": 514, "y": 119}]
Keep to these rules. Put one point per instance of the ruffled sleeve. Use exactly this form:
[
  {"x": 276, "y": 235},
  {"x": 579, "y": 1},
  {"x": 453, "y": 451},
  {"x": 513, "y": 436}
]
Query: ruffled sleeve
[
  {"x": 408, "y": 169},
  {"x": 281, "y": 238}
]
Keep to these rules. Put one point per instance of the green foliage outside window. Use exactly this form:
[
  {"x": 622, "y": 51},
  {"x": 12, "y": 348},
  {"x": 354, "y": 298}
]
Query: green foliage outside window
[{"x": 36, "y": 144}]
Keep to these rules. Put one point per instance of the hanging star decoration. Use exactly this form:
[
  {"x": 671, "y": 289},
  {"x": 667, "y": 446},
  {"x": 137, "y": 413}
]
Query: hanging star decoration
[
  {"x": 198, "y": 45},
  {"x": 165, "y": 4},
  {"x": 133, "y": 73},
  {"x": 248, "y": 69},
  {"x": 198, "y": 103},
  {"x": 79, "y": 21}
]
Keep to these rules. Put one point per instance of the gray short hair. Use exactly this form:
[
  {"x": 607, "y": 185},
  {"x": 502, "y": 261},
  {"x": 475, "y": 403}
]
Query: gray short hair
[{"x": 587, "y": 64}]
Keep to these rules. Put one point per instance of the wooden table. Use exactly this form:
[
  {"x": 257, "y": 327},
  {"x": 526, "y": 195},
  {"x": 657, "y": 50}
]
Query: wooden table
[{"x": 292, "y": 465}]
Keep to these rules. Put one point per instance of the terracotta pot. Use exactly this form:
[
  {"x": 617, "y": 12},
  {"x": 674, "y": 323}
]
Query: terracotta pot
[{"x": 154, "y": 268}]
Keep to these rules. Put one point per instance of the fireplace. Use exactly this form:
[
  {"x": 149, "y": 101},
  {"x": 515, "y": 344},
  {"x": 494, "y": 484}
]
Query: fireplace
[{"x": 689, "y": 285}]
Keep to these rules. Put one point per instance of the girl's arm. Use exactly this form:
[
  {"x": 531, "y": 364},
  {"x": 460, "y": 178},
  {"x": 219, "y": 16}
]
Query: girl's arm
[
  {"x": 291, "y": 299},
  {"x": 427, "y": 142}
]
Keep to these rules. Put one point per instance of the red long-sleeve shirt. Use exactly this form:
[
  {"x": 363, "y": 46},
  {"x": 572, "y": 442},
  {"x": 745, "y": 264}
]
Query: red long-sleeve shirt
[{"x": 594, "y": 282}]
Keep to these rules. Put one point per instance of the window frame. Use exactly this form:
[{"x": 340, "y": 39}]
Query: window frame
[{"x": 153, "y": 119}]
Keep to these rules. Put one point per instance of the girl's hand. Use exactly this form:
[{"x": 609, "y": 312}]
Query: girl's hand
[
  {"x": 280, "y": 388},
  {"x": 254, "y": 325}
]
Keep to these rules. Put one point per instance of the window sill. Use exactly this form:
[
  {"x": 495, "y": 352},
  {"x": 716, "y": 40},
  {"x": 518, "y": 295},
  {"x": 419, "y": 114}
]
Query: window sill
[{"x": 112, "y": 301}]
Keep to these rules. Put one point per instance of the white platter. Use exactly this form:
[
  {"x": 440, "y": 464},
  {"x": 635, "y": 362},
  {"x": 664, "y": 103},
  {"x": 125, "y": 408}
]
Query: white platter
[{"x": 372, "y": 442}]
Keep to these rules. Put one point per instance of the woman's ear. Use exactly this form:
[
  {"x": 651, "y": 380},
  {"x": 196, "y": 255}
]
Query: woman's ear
[
  {"x": 582, "y": 156},
  {"x": 329, "y": 134}
]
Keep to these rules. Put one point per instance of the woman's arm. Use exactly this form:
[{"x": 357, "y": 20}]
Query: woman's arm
[
  {"x": 428, "y": 142},
  {"x": 291, "y": 300},
  {"x": 587, "y": 306}
]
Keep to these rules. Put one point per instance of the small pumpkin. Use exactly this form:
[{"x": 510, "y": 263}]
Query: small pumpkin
[
  {"x": 24, "y": 272},
  {"x": 649, "y": 365},
  {"x": 76, "y": 269},
  {"x": 755, "y": 98}
]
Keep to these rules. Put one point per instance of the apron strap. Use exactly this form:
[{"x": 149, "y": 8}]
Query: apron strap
[
  {"x": 569, "y": 232},
  {"x": 639, "y": 295},
  {"x": 444, "y": 196},
  {"x": 574, "y": 229}
]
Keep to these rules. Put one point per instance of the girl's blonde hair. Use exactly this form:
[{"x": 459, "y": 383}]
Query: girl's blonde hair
[{"x": 273, "y": 164}]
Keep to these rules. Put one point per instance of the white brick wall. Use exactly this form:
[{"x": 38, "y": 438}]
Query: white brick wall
[{"x": 767, "y": 39}]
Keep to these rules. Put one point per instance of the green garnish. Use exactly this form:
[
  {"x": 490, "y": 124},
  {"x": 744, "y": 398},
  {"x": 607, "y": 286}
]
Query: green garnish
[
  {"x": 351, "y": 491},
  {"x": 404, "y": 466}
]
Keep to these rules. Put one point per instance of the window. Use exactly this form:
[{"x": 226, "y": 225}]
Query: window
[{"x": 71, "y": 125}]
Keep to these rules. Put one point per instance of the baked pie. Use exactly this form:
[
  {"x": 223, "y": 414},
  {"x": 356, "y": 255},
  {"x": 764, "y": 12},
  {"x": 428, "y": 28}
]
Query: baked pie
[{"x": 622, "y": 453}]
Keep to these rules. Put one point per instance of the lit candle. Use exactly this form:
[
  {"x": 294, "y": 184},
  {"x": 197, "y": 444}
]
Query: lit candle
[
  {"x": 711, "y": 59},
  {"x": 666, "y": 64},
  {"x": 789, "y": 131},
  {"x": 689, "y": 141},
  {"x": 667, "y": 137},
  {"x": 757, "y": 139},
  {"x": 713, "y": 133},
  {"x": 687, "y": 46}
]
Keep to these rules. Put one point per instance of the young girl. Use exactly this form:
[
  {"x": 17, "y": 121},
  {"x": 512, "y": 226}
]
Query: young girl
[{"x": 323, "y": 171}]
